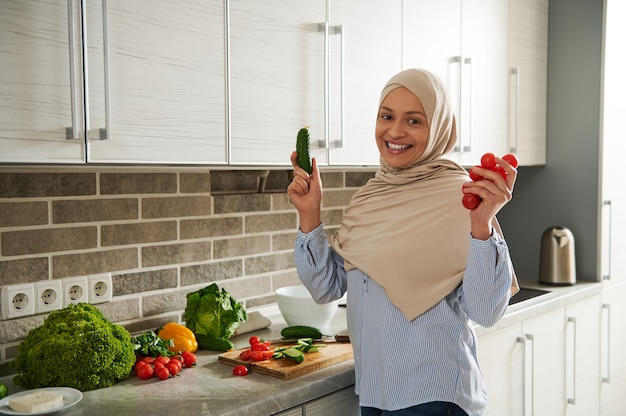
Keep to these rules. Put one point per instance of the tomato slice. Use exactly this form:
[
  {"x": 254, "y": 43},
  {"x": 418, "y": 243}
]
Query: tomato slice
[
  {"x": 257, "y": 355},
  {"x": 254, "y": 340},
  {"x": 246, "y": 354}
]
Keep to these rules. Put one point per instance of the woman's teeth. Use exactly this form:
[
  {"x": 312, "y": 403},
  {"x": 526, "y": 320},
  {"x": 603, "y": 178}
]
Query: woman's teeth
[{"x": 394, "y": 146}]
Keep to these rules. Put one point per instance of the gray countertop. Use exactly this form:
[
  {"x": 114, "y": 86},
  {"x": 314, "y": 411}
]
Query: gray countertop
[{"x": 211, "y": 389}]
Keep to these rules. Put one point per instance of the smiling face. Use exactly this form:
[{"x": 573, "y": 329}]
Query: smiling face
[{"x": 401, "y": 128}]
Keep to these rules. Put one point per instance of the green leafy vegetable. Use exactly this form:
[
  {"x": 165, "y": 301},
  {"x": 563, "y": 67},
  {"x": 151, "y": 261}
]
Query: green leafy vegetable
[
  {"x": 74, "y": 347},
  {"x": 149, "y": 344},
  {"x": 211, "y": 311}
]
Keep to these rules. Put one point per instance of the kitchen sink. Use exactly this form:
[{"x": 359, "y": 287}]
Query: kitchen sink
[{"x": 526, "y": 293}]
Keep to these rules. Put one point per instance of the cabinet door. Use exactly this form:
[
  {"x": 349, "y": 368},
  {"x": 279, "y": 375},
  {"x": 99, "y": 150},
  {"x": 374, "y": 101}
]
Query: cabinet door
[
  {"x": 501, "y": 357},
  {"x": 528, "y": 80},
  {"x": 365, "y": 52},
  {"x": 41, "y": 115},
  {"x": 545, "y": 364},
  {"x": 613, "y": 240},
  {"x": 613, "y": 358},
  {"x": 582, "y": 357},
  {"x": 483, "y": 117},
  {"x": 344, "y": 402},
  {"x": 156, "y": 81},
  {"x": 277, "y": 79}
]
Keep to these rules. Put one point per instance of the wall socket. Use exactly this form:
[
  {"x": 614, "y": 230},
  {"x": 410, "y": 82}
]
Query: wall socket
[
  {"x": 75, "y": 290},
  {"x": 17, "y": 300},
  {"x": 100, "y": 288},
  {"x": 48, "y": 295}
]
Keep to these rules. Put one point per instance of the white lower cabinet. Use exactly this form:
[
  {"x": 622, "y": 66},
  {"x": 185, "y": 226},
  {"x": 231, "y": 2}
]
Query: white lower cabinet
[
  {"x": 343, "y": 402},
  {"x": 546, "y": 365},
  {"x": 582, "y": 357},
  {"x": 612, "y": 352},
  {"x": 521, "y": 365}
]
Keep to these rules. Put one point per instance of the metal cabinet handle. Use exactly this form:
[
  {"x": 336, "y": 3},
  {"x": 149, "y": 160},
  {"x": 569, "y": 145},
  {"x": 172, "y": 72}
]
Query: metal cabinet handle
[
  {"x": 72, "y": 132},
  {"x": 572, "y": 399},
  {"x": 607, "y": 308},
  {"x": 340, "y": 30},
  {"x": 606, "y": 206},
  {"x": 517, "y": 73},
  {"x": 325, "y": 28},
  {"x": 526, "y": 393},
  {"x": 467, "y": 62},
  {"x": 105, "y": 133},
  {"x": 455, "y": 61}
]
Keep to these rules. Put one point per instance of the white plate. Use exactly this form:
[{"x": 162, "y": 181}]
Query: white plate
[{"x": 70, "y": 398}]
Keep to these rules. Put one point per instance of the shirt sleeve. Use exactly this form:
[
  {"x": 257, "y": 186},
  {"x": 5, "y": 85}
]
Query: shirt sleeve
[
  {"x": 319, "y": 267},
  {"x": 487, "y": 281}
]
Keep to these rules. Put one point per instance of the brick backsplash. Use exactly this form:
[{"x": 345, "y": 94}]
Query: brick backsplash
[{"x": 161, "y": 234}]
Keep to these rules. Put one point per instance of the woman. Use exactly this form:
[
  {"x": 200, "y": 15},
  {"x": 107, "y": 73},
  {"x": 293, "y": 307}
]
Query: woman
[{"x": 417, "y": 266}]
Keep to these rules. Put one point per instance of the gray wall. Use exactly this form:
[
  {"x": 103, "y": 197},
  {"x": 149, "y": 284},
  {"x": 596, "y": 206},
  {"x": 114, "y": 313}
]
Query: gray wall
[{"x": 565, "y": 192}]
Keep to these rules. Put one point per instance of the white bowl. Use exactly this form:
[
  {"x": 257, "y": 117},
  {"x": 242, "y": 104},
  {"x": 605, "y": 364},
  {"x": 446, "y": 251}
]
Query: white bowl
[{"x": 298, "y": 307}]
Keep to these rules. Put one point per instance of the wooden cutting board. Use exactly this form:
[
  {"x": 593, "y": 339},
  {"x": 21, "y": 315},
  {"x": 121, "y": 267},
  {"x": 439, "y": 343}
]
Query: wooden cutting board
[{"x": 286, "y": 368}]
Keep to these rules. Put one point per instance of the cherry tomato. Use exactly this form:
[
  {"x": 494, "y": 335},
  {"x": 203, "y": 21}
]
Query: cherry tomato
[
  {"x": 475, "y": 176},
  {"x": 254, "y": 340},
  {"x": 148, "y": 360},
  {"x": 246, "y": 354},
  {"x": 162, "y": 359},
  {"x": 162, "y": 373},
  {"x": 471, "y": 201},
  {"x": 511, "y": 159},
  {"x": 240, "y": 370},
  {"x": 189, "y": 359},
  {"x": 175, "y": 363},
  {"x": 257, "y": 355},
  {"x": 144, "y": 372},
  {"x": 173, "y": 368},
  {"x": 488, "y": 160},
  {"x": 267, "y": 354},
  {"x": 499, "y": 169}
]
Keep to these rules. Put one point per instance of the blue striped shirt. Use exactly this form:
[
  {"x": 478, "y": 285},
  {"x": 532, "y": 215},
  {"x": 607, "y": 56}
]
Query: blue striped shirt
[{"x": 400, "y": 363}]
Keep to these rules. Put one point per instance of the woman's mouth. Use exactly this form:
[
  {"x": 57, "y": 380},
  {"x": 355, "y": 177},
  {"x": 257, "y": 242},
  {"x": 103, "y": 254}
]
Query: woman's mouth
[{"x": 397, "y": 147}]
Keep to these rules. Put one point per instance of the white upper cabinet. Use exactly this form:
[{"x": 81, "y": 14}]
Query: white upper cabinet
[
  {"x": 613, "y": 220},
  {"x": 528, "y": 80},
  {"x": 310, "y": 63},
  {"x": 41, "y": 112},
  {"x": 466, "y": 43},
  {"x": 365, "y": 49},
  {"x": 156, "y": 81},
  {"x": 277, "y": 79}
]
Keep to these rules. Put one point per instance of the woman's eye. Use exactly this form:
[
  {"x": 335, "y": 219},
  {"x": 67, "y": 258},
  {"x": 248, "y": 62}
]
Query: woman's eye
[
  {"x": 414, "y": 121},
  {"x": 385, "y": 116}
]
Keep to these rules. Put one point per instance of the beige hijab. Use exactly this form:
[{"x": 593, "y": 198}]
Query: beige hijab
[{"x": 406, "y": 228}]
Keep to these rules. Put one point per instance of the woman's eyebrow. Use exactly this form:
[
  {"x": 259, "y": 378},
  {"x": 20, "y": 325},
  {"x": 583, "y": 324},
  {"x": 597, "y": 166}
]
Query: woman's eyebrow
[{"x": 410, "y": 112}]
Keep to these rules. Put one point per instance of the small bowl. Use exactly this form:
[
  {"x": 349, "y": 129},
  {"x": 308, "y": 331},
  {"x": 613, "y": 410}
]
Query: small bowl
[{"x": 298, "y": 307}]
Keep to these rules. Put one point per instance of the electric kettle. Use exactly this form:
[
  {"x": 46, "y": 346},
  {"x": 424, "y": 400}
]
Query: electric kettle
[{"x": 557, "y": 265}]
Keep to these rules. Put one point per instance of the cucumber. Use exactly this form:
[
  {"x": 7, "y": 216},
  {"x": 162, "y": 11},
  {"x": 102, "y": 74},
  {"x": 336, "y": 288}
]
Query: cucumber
[
  {"x": 303, "y": 147},
  {"x": 301, "y": 331},
  {"x": 210, "y": 342},
  {"x": 294, "y": 354}
]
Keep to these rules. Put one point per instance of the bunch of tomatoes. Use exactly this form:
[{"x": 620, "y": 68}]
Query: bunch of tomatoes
[
  {"x": 259, "y": 351},
  {"x": 163, "y": 367},
  {"x": 487, "y": 161}
]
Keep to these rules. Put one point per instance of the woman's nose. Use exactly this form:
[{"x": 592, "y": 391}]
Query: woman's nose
[{"x": 396, "y": 129}]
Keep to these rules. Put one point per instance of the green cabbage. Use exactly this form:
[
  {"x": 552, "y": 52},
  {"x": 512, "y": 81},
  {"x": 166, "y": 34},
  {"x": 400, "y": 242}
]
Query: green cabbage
[{"x": 211, "y": 311}]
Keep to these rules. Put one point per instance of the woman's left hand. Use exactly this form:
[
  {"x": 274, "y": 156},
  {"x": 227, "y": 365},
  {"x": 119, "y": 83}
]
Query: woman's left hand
[{"x": 495, "y": 192}]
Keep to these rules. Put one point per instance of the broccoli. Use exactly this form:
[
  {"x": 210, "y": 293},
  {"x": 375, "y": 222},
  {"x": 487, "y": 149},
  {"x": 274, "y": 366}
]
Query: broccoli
[{"x": 74, "y": 347}]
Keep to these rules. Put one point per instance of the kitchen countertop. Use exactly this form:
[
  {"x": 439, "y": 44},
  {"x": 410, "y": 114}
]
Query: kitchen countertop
[{"x": 211, "y": 389}]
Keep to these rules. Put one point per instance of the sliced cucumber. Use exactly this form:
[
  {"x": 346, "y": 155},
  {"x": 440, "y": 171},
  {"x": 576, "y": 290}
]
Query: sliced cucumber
[{"x": 294, "y": 354}]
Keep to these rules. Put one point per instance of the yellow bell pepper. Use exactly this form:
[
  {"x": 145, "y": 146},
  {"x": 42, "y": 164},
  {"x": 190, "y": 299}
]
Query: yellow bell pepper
[{"x": 184, "y": 339}]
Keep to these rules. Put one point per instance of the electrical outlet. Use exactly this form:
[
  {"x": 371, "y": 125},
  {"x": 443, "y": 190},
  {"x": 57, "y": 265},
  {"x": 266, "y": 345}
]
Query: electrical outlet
[
  {"x": 18, "y": 300},
  {"x": 48, "y": 296},
  {"x": 75, "y": 290},
  {"x": 100, "y": 288}
]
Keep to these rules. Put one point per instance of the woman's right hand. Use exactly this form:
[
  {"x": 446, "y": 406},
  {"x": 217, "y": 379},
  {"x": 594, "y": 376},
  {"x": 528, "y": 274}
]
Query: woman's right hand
[{"x": 305, "y": 193}]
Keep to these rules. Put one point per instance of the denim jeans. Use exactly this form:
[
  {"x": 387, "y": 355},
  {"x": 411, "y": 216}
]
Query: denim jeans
[{"x": 426, "y": 409}]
